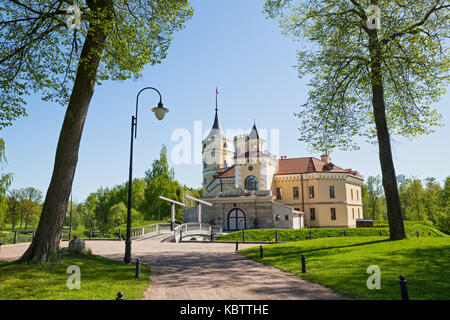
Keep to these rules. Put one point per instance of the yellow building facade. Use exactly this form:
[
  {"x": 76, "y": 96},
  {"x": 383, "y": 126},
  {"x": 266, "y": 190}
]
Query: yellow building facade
[{"x": 250, "y": 188}]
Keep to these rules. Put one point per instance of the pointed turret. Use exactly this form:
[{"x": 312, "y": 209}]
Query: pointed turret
[{"x": 254, "y": 135}]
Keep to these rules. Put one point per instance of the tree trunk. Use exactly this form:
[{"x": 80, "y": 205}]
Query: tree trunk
[
  {"x": 47, "y": 238},
  {"x": 394, "y": 210},
  {"x": 13, "y": 218}
]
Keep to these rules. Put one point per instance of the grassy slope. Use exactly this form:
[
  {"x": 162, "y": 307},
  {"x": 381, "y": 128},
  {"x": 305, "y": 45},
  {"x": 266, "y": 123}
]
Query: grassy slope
[
  {"x": 101, "y": 279},
  {"x": 341, "y": 264},
  {"x": 425, "y": 230}
]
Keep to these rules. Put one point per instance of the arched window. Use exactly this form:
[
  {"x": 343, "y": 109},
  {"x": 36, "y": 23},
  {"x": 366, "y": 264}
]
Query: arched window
[{"x": 251, "y": 183}]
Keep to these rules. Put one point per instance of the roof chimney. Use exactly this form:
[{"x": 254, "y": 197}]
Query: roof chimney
[{"x": 325, "y": 158}]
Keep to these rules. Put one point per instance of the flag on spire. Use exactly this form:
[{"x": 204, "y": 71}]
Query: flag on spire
[{"x": 217, "y": 92}]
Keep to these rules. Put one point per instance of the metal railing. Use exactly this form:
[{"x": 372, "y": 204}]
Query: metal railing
[
  {"x": 14, "y": 237},
  {"x": 152, "y": 229},
  {"x": 196, "y": 228}
]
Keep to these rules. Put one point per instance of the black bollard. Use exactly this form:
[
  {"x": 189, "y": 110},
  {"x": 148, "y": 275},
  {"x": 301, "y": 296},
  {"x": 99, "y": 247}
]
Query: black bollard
[
  {"x": 90, "y": 234},
  {"x": 403, "y": 288},
  {"x": 261, "y": 253},
  {"x": 15, "y": 237},
  {"x": 417, "y": 233},
  {"x": 138, "y": 268},
  {"x": 181, "y": 235},
  {"x": 120, "y": 296},
  {"x": 120, "y": 234},
  {"x": 381, "y": 233},
  {"x": 276, "y": 236},
  {"x": 310, "y": 235},
  {"x": 211, "y": 237},
  {"x": 345, "y": 233},
  {"x": 237, "y": 246},
  {"x": 303, "y": 264},
  {"x": 243, "y": 235}
]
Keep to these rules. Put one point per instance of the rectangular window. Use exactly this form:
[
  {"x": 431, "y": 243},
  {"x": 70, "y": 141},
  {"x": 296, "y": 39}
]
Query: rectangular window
[
  {"x": 297, "y": 209},
  {"x": 333, "y": 213},
  {"x": 312, "y": 213},
  {"x": 357, "y": 195},
  {"x": 351, "y": 190},
  {"x": 279, "y": 195},
  {"x": 353, "y": 213},
  {"x": 295, "y": 192},
  {"x": 332, "y": 192},
  {"x": 286, "y": 217},
  {"x": 311, "y": 192},
  {"x": 359, "y": 214}
]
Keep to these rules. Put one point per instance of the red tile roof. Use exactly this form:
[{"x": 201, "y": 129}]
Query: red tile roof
[
  {"x": 294, "y": 166},
  {"x": 227, "y": 173},
  {"x": 306, "y": 165}
]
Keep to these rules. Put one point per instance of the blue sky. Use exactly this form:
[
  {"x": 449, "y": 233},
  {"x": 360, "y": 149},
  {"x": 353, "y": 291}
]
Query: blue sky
[{"x": 229, "y": 44}]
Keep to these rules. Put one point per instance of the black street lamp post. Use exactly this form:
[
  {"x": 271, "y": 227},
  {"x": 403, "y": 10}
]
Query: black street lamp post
[{"x": 160, "y": 112}]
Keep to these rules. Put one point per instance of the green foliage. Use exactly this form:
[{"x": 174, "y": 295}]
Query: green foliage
[
  {"x": 337, "y": 53},
  {"x": 160, "y": 180},
  {"x": 341, "y": 265},
  {"x": 5, "y": 178},
  {"x": 106, "y": 209},
  {"x": 117, "y": 215},
  {"x": 425, "y": 230},
  {"x": 39, "y": 54},
  {"x": 421, "y": 201},
  {"x": 372, "y": 196}
]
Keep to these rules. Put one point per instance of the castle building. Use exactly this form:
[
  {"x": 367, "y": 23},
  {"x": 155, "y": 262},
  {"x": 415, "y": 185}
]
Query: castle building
[{"x": 250, "y": 188}]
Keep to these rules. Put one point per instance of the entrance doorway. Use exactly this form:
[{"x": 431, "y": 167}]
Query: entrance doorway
[{"x": 236, "y": 220}]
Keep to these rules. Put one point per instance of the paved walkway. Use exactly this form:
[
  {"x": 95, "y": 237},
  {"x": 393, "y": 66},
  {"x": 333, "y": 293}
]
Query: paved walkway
[{"x": 202, "y": 271}]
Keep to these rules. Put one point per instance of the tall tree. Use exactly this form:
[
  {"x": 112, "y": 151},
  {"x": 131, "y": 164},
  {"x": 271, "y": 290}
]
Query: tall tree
[
  {"x": 13, "y": 205},
  {"x": 5, "y": 182},
  {"x": 368, "y": 81},
  {"x": 160, "y": 181},
  {"x": 412, "y": 194},
  {"x": 114, "y": 40},
  {"x": 31, "y": 200},
  {"x": 5, "y": 178},
  {"x": 374, "y": 192},
  {"x": 432, "y": 198}
]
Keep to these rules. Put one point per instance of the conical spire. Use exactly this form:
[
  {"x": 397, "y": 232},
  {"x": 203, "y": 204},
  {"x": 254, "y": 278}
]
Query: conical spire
[
  {"x": 216, "y": 130},
  {"x": 253, "y": 133},
  {"x": 216, "y": 124}
]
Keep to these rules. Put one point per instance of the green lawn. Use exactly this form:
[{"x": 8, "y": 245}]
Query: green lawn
[
  {"x": 341, "y": 264},
  {"x": 101, "y": 279},
  {"x": 412, "y": 227}
]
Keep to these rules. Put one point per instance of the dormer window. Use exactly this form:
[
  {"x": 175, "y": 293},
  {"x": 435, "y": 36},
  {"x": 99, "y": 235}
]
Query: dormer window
[{"x": 329, "y": 167}]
